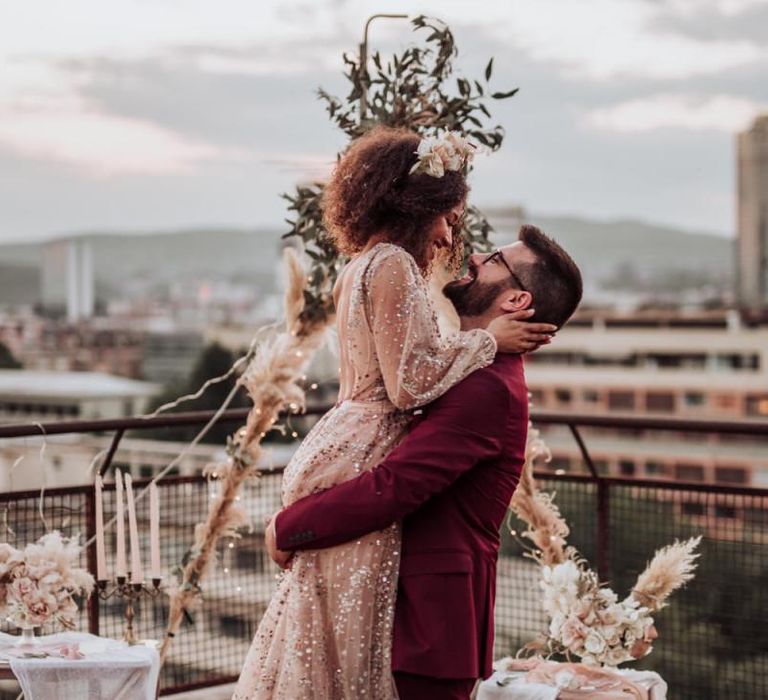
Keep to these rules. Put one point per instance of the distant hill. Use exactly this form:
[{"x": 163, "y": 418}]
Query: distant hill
[
  {"x": 614, "y": 255},
  {"x": 24, "y": 254},
  {"x": 635, "y": 255},
  {"x": 179, "y": 255},
  {"x": 128, "y": 260},
  {"x": 19, "y": 284}
]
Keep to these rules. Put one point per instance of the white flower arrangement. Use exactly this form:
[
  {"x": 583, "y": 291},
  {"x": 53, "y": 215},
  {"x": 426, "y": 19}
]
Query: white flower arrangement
[
  {"x": 438, "y": 154},
  {"x": 38, "y": 583},
  {"x": 589, "y": 621}
]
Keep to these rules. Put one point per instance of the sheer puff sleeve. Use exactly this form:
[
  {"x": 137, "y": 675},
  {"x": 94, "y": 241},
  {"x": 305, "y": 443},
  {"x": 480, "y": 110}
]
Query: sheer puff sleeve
[{"x": 417, "y": 363}]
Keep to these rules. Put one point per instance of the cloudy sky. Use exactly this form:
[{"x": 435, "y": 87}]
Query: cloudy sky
[{"x": 147, "y": 114}]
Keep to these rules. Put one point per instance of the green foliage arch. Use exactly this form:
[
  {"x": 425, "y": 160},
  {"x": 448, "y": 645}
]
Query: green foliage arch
[{"x": 413, "y": 89}]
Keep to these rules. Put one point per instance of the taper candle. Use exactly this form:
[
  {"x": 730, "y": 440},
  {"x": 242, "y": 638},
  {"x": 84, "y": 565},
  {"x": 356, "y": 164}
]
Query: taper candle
[
  {"x": 154, "y": 532},
  {"x": 101, "y": 551},
  {"x": 137, "y": 573},
  {"x": 121, "y": 567}
]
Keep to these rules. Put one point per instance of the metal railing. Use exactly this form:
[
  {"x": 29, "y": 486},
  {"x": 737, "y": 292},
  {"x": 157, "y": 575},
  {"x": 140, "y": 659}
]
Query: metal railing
[{"x": 713, "y": 642}]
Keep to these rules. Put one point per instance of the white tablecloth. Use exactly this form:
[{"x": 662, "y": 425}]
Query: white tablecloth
[
  {"x": 111, "y": 670},
  {"x": 503, "y": 685}
]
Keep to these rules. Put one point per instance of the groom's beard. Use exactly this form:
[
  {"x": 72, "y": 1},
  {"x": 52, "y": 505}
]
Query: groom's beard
[{"x": 473, "y": 298}]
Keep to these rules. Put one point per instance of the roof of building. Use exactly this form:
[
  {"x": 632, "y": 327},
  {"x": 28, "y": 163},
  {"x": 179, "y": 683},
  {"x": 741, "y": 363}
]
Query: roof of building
[
  {"x": 640, "y": 377},
  {"x": 661, "y": 447},
  {"x": 79, "y": 385},
  {"x": 623, "y": 341}
]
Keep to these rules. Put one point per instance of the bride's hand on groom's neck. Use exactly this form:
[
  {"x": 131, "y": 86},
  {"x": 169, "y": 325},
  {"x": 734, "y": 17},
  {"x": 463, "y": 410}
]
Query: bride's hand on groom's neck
[{"x": 515, "y": 334}]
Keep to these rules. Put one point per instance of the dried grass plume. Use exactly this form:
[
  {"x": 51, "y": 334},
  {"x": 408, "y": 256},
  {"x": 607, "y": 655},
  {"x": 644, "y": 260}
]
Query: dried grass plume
[
  {"x": 547, "y": 529},
  {"x": 671, "y": 568},
  {"x": 272, "y": 381}
]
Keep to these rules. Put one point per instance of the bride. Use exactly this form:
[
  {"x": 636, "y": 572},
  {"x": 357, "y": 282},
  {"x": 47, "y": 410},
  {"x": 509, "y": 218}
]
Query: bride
[{"x": 392, "y": 202}]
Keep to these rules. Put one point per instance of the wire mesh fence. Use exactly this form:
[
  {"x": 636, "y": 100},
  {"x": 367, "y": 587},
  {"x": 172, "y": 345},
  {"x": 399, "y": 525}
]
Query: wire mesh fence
[{"x": 713, "y": 638}]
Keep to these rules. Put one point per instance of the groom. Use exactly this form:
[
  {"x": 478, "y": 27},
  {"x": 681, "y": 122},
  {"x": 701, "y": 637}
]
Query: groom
[{"x": 450, "y": 482}]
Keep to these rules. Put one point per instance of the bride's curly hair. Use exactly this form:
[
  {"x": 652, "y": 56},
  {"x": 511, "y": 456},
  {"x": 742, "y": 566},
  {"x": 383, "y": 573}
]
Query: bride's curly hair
[{"x": 371, "y": 191}]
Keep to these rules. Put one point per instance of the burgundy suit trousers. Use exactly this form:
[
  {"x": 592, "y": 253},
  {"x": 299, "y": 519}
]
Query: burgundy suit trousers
[{"x": 413, "y": 687}]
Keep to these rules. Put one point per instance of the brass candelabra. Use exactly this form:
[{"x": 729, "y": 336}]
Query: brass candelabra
[{"x": 130, "y": 593}]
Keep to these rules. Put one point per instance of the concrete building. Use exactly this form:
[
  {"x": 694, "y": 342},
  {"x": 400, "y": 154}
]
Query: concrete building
[
  {"x": 695, "y": 366},
  {"x": 27, "y": 396},
  {"x": 705, "y": 366},
  {"x": 68, "y": 283},
  {"x": 752, "y": 175},
  {"x": 88, "y": 346},
  {"x": 126, "y": 347},
  {"x": 66, "y": 460}
]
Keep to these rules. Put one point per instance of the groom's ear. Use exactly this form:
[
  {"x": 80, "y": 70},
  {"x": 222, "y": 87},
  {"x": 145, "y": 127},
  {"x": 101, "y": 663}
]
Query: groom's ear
[{"x": 516, "y": 300}]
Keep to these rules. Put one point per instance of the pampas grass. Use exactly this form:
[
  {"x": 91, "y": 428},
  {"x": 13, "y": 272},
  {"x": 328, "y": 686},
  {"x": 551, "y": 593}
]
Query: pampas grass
[
  {"x": 671, "y": 568},
  {"x": 272, "y": 382},
  {"x": 547, "y": 529}
]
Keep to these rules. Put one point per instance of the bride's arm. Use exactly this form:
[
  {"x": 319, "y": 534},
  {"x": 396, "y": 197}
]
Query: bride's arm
[
  {"x": 467, "y": 425},
  {"x": 416, "y": 362}
]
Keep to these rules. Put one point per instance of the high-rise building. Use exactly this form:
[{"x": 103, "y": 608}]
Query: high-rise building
[
  {"x": 67, "y": 278},
  {"x": 752, "y": 254}
]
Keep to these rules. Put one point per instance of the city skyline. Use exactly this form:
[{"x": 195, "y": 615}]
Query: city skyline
[{"x": 167, "y": 115}]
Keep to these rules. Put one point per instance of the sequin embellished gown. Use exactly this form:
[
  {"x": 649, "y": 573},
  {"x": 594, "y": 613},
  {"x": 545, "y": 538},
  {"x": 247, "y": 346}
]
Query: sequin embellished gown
[{"x": 327, "y": 632}]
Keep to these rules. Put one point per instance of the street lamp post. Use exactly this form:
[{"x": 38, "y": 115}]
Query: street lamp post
[{"x": 363, "y": 67}]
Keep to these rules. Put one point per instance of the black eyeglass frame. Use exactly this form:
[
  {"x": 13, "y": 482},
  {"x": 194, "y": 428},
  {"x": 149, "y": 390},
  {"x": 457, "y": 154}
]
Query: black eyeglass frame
[{"x": 498, "y": 254}]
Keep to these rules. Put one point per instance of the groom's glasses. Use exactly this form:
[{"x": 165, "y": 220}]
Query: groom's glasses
[{"x": 496, "y": 257}]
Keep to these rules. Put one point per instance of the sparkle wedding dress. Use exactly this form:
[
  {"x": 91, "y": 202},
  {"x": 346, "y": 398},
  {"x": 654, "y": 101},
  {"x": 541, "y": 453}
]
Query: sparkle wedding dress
[{"x": 327, "y": 633}]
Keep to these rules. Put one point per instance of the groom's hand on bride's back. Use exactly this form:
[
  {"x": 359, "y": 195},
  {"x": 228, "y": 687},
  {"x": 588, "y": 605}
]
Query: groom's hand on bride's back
[{"x": 281, "y": 558}]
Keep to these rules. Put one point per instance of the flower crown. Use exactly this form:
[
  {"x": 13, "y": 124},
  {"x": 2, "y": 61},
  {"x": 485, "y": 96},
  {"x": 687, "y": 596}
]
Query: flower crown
[{"x": 438, "y": 154}]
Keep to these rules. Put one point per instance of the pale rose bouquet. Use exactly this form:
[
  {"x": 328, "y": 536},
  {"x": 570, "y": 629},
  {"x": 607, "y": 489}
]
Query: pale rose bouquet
[
  {"x": 10, "y": 557},
  {"x": 589, "y": 621},
  {"x": 38, "y": 584}
]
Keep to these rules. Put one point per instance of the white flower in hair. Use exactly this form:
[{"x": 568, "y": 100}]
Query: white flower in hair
[{"x": 436, "y": 155}]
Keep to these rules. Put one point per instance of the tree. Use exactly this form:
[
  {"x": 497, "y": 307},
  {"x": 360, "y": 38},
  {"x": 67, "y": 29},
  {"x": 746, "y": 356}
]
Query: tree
[
  {"x": 7, "y": 360},
  {"x": 214, "y": 360}
]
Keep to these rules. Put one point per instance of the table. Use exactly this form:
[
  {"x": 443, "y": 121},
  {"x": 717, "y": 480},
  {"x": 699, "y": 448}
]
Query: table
[
  {"x": 110, "y": 669},
  {"x": 510, "y": 683}
]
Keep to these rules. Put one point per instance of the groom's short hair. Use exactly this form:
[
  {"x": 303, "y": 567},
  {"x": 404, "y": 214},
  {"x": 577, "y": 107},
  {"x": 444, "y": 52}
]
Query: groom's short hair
[{"x": 554, "y": 279}]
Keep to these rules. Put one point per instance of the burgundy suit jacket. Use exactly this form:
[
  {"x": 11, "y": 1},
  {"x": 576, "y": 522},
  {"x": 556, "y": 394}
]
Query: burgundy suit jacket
[{"x": 450, "y": 482}]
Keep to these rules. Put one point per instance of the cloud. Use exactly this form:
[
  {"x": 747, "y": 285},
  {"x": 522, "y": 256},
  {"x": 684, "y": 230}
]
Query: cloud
[
  {"x": 225, "y": 63},
  {"x": 228, "y": 100},
  {"x": 259, "y": 113},
  {"x": 728, "y": 8},
  {"x": 307, "y": 166},
  {"x": 272, "y": 56},
  {"x": 103, "y": 144},
  {"x": 609, "y": 39},
  {"x": 708, "y": 20},
  {"x": 724, "y": 113},
  {"x": 595, "y": 39},
  {"x": 45, "y": 114},
  {"x": 131, "y": 28},
  {"x": 56, "y": 123}
]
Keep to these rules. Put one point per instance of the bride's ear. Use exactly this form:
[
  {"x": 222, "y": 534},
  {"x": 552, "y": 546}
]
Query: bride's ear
[{"x": 516, "y": 300}]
